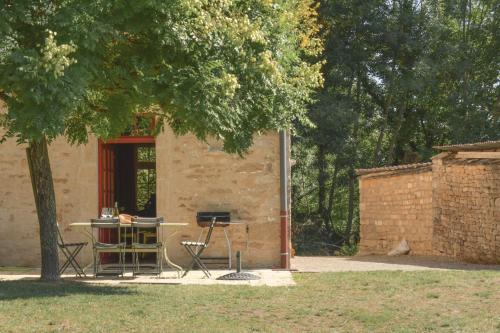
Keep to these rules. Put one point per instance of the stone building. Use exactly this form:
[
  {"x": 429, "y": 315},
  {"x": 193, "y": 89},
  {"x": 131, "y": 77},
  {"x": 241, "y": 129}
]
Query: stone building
[
  {"x": 449, "y": 207},
  {"x": 181, "y": 174}
]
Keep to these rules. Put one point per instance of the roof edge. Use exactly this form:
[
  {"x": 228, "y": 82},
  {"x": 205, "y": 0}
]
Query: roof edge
[
  {"x": 404, "y": 167},
  {"x": 470, "y": 146}
]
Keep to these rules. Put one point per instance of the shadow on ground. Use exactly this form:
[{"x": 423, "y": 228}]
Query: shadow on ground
[
  {"x": 384, "y": 263},
  {"x": 423, "y": 261},
  {"x": 24, "y": 289}
]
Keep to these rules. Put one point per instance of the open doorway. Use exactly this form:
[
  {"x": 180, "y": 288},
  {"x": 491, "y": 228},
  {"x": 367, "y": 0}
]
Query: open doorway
[
  {"x": 127, "y": 174},
  {"x": 135, "y": 179},
  {"x": 127, "y": 178}
]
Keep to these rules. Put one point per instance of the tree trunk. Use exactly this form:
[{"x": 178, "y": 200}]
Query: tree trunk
[
  {"x": 397, "y": 128},
  {"x": 322, "y": 177},
  {"x": 43, "y": 191},
  {"x": 350, "y": 212},
  {"x": 352, "y": 171},
  {"x": 383, "y": 127},
  {"x": 331, "y": 196}
]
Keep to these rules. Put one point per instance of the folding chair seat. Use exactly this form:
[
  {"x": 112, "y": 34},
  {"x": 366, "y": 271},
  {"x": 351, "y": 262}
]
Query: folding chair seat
[
  {"x": 70, "y": 251},
  {"x": 190, "y": 243},
  {"x": 195, "y": 249}
]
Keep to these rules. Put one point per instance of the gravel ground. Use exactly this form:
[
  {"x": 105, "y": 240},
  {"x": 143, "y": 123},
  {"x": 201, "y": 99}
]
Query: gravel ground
[{"x": 382, "y": 263}]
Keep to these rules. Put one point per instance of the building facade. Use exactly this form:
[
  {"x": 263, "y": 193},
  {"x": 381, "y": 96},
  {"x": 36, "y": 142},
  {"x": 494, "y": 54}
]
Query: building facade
[{"x": 189, "y": 176}]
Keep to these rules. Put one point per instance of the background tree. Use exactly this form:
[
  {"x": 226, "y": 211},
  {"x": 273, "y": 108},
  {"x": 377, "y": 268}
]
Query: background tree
[
  {"x": 400, "y": 77},
  {"x": 227, "y": 69}
]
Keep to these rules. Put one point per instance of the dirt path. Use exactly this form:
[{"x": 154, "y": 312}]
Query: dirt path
[{"x": 381, "y": 263}]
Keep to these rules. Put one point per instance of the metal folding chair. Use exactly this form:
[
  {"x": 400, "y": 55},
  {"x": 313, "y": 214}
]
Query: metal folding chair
[
  {"x": 140, "y": 224},
  {"x": 70, "y": 251},
  {"x": 195, "y": 249},
  {"x": 101, "y": 247}
]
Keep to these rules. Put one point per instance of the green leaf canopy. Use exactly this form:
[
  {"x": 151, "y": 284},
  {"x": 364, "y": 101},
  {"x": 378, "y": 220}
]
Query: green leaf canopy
[{"x": 224, "y": 68}]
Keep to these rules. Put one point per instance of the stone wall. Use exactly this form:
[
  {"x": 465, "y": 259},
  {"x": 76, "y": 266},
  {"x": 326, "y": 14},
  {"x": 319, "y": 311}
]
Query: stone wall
[
  {"x": 396, "y": 205},
  {"x": 74, "y": 171},
  {"x": 191, "y": 176},
  {"x": 195, "y": 176},
  {"x": 467, "y": 209}
]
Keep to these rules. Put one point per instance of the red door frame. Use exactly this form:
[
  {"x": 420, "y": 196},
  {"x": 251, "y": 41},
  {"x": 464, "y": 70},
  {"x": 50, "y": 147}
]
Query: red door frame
[{"x": 102, "y": 157}]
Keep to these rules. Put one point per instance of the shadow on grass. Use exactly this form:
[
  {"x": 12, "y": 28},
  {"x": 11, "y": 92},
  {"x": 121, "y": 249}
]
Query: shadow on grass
[
  {"x": 425, "y": 261},
  {"x": 10, "y": 290}
]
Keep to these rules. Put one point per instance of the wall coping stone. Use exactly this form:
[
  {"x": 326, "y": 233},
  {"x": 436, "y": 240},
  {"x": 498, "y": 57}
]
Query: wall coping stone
[{"x": 391, "y": 170}]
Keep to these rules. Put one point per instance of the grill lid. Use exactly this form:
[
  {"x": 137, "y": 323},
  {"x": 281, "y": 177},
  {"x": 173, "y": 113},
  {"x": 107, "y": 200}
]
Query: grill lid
[{"x": 208, "y": 216}]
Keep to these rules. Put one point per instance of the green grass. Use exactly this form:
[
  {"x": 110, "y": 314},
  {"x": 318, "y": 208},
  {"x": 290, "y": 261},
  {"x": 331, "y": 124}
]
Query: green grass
[{"x": 436, "y": 301}]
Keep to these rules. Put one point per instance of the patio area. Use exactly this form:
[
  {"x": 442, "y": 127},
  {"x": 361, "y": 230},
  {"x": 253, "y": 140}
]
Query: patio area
[{"x": 268, "y": 277}]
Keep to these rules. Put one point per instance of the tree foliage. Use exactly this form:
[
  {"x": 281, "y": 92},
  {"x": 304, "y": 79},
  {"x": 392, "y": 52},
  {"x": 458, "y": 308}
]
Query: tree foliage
[
  {"x": 400, "y": 77},
  {"x": 222, "y": 68}
]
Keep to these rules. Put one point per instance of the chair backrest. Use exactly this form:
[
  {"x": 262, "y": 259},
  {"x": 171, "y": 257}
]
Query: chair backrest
[
  {"x": 99, "y": 224},
  {"x": 139, "y": 223},
  {"x": 105, "y": 223},
  {"x": 210, "y": 230},
  {"x": 146, "y": 222}
]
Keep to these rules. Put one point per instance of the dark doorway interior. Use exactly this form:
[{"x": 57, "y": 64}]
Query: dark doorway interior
[{"x": 135, "y": 179}]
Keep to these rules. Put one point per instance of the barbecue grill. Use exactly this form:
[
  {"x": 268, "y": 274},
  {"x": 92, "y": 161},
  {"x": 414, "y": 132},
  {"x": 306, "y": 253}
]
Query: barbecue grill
[{"x": 205, "y": 218}]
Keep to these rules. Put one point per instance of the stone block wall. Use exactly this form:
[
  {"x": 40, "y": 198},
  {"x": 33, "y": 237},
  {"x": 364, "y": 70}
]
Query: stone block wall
[
  {"x": 194, "y": 176},
  {"x": 396, "y": 205},
  {"x": 467, "y": 209},
  {"x": 74, "y": 170}
]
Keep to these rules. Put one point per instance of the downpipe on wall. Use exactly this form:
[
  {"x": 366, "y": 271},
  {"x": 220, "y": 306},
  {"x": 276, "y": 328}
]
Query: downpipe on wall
[{"x": 284, "y": 201}]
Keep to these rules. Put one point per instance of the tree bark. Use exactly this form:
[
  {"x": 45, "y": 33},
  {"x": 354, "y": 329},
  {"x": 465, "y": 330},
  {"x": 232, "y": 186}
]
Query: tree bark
[
  {"x": 322, "y": 177},
  {"x": 397, "y": 128},
  {"x": 352, "y": 171},
  {"x": 43, "y": 191},
  {"x": 350, "y": 212},
  {"x": 327, "y": 212}
]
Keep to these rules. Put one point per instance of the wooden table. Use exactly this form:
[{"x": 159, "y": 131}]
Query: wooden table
[{"x": 128, "y": 225}]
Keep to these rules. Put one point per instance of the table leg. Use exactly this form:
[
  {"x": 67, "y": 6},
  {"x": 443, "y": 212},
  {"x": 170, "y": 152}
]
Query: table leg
[
  {"x": 170, "y": 263},
  {"x": 167, "y": 259}
]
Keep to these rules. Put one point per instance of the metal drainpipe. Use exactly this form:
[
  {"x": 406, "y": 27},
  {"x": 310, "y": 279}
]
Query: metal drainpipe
[{"x": 284, "y": 214}]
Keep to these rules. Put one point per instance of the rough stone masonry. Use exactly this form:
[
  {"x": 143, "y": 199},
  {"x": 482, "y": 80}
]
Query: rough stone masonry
[{"x": 450, "y": 207}]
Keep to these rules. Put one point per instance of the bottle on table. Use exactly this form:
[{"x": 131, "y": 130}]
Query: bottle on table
[{"x": 116, "y": 211}]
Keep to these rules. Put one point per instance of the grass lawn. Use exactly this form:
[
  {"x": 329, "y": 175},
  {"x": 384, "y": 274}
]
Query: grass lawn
[{"x": 433, "y": 301}]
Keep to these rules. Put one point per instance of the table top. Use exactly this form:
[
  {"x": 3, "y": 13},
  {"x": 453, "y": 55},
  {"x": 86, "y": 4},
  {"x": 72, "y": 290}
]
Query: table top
[{"x": 161, "y": 224}]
